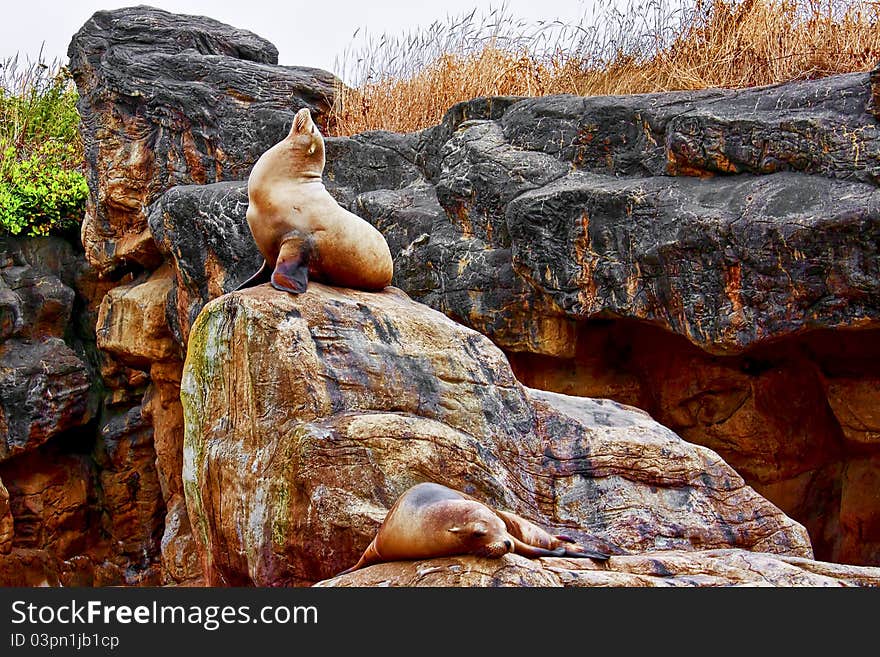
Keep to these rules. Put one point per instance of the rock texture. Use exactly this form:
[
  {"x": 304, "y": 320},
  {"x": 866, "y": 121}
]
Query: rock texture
[
  {"x": 165, "y": 99},
  {"x": 80, "y": 503},
  {"x": 198, "y": 230},
  {"x": 710, "y": 257},
  {"x": 45, "y": 387},
  {"x": 7, "y": 523},
  {"x": 307, "y": 416},
  {"x": 169, "y": 99},
  {"x": 660, "y": 568}
]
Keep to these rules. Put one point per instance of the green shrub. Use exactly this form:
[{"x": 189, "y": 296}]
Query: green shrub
[
  {"x": 42, "y": 186},
  {"x": 39, "y": 194}
]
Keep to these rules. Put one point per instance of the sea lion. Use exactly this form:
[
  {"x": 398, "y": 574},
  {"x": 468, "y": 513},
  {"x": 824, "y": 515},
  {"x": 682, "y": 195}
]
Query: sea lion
[
  {"x": 300, "y": 229},
  {"x": 431, "y": 520}
]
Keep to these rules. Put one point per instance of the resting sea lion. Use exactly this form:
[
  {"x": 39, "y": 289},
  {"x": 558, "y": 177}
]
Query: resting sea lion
[
  {"x": 300, "y": 229},
  {"x": 430, "y": 520}
]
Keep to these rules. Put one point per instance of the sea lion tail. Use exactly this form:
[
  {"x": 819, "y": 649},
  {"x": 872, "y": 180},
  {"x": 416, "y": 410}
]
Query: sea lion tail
[
  {"x": 370, "y": 556},
  {"x": 262, "y": 276}
]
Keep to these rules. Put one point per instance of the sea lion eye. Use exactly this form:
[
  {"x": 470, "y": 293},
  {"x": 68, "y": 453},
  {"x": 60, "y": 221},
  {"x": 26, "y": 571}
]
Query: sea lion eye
[{"x": 479, "y": 532}]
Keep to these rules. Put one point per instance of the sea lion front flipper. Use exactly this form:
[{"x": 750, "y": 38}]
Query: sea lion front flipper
[
  {"x": 292, "y": 266},
  {"x": 262, "y": 276}
]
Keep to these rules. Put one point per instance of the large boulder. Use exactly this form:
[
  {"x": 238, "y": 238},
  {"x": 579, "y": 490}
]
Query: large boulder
[
  {"x": 307, "y": 416},
  {"x": 169, "y": 99}
]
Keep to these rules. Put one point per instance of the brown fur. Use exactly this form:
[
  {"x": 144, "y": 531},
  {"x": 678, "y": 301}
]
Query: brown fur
[{"x": 300, "y": 229}]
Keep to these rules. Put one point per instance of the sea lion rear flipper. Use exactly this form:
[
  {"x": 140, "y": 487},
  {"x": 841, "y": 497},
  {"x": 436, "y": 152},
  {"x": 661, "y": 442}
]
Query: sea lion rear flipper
[
  {"x": 527, "y": 550},
  {"x": 581, "y": 553},
  {"x": 292, "y": 266},
  {"x": 262, "y": 276}
]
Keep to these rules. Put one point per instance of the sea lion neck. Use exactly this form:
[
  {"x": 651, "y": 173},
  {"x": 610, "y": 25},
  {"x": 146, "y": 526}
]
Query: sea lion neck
[{"x": 299, "y": 166}]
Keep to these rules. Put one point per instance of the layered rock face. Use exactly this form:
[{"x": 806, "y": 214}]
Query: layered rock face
[
  {"x": 169, "y": 99},
  {"x": 80, "y": 502},
  {"x": 709, "y": 257},
  {"x": 657, "y": 569},
  {"x": 307, "y": 416}
]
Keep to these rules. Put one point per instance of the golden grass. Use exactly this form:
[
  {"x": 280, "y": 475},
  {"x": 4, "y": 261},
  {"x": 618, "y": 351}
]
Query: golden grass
[{"x": 407, "y": 83}]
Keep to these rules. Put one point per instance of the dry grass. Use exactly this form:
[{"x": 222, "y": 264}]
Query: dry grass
[{"x": 407, "y": 83}]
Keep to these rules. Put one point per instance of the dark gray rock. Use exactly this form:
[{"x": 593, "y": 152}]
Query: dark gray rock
[
  {"x": 372, "y": 160},
  {"x": 44, "y": 391},
  {"x": 814, "y": 127},
  {"x": 727, "y": 262},
  {"x": 34, "y": 302},
  {"x": 202, "y": 229}
]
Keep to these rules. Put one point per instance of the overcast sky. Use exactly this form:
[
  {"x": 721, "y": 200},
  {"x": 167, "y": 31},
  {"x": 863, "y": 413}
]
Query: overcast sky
[{"x": 305, "y": 33}]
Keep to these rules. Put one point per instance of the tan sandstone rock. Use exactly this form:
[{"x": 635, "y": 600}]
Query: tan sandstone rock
[
  {"x": 131, "y": 322},
  {"x": 6, "y": 521},
  {"x": 663, "y": 568},
  {"x": 307, "y": 416},
  {"x": 856, "y": 404}
]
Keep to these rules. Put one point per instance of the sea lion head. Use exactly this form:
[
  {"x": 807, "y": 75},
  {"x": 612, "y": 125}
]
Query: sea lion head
[
  {"x": 307, "y": 141},
  {"x": 483, "y": 533}
]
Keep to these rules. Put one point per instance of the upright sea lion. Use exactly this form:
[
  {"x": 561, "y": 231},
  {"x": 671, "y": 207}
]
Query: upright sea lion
[
  {"x": 300, "y": 229},
  {"x": 430, "y": 520}
]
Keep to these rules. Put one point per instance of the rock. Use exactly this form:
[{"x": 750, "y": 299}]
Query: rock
[
  {"x": 180, "y": 557},
  {"x": 859, "y": 523},
  {"x": 34, "y": 302},
  {"x": 11, "y": 321},
  {"x": 131, "y": 497},
  {"x": 371, "y": 160},
  {"x": 661, "y": 568},
  {"x": 731, "y": 272},
  {"x": 29, "y": 568},
  {"x": 163, "y": 411},
  {"x": 169, "y": 99},
  {"x": 856, "y": 405},
  {"x": 131, "y": 322},
  {"x": 52, "y": 499},
  {"x": 44, "y": 391},
  {"x": 306, "y": 416},
  {"x": 202, "y": 231},
  {"x": 6, "y": 521}
]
